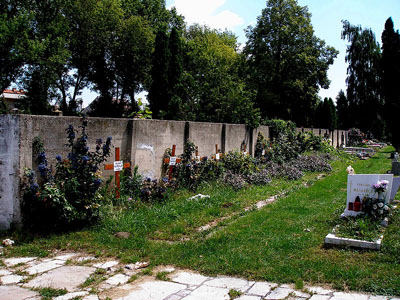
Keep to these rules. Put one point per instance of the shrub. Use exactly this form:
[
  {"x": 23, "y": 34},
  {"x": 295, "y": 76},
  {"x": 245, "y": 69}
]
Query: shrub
[
  {"x": 238, "y": 163},
  {"x": 154, "y": 190},
  {"x": 355, "y": 137},
  {"x": 312, "y": 163},
  {"x": 131, "y": 184},
  {"x": 236, "y": 181},
  {"x": 375, "y": 208},
  {"x": 71, "y": 196},
  {"x": 258, "y": 178}
]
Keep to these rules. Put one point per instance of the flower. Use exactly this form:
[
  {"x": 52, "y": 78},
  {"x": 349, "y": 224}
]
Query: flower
[
  {"x": 380, "y": 204},
  {"x": 85, "y": 158},
  {"x": 59, "y": 158}
]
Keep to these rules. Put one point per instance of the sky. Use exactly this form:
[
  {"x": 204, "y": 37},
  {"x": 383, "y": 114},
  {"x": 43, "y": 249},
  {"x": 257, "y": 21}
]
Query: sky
[{"x": 237, "y": 15}]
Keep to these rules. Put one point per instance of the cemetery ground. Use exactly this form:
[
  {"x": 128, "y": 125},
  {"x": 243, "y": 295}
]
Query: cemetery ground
[{"x": 283, "y": 242}]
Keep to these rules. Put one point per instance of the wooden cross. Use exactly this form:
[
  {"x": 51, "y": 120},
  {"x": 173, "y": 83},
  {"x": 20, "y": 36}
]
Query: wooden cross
[
  {"x": 218, "y": 154},
  {"x": 117, "y": 166},
  {"x": 172, "y": 161}
]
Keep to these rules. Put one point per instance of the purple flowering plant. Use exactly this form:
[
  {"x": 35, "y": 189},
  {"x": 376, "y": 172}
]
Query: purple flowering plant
[{"x": 71, "y": 195}]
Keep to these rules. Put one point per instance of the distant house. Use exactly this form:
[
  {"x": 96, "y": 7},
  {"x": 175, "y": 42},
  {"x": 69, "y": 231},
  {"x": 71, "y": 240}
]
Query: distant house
[{"x": 10, "y": 97}]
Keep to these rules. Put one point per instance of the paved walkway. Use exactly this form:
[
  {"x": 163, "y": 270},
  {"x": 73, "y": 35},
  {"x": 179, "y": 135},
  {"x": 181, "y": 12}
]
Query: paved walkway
[{"x": 88, "y": 278}]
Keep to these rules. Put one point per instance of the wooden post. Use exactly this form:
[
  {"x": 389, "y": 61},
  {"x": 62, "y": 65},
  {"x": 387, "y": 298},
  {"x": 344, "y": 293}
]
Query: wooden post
[
  {"x": 171, "y": 167},
  {"x": 117, "y": 166}
]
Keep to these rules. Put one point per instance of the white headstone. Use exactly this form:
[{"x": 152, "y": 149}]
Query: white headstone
[{"x": 360, "y": 186}]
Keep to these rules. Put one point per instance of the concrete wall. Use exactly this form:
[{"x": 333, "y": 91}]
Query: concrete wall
[
  {"x": 143, "y": 142},
  {"x": 9, "y": 171}
]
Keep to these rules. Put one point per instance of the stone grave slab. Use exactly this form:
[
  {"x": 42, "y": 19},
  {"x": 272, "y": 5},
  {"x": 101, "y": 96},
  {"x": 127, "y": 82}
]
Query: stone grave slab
[
  {"x": 68, "y": 277},
  {"x": 395, "y": 168},
  {"x": 15, "y": 292},
  {"x": 395, "y": 188},
  {"x": 360, "y": 186}
]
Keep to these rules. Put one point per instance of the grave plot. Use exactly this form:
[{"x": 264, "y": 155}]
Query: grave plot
[{"x": 368, "y": 205}]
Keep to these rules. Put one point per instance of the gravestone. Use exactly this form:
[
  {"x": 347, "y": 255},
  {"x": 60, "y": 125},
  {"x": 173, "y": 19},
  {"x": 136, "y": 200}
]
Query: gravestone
[
  {"x": 395, "y": 168},
  {"x": 395, "y": 188},
  {"x": 360, "y": 186}
]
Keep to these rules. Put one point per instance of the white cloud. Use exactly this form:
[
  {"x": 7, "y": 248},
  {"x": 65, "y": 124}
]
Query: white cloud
[{"x": 204, "y": 13}]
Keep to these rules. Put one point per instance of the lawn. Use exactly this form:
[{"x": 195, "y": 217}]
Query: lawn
[{"x": 282, "y": 242}]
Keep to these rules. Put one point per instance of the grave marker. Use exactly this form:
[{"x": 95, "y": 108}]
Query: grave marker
[
  {"x": 360, "y": 186},
  {"x": 172, "y": 161},
  {"x": 117, "y": 167}
]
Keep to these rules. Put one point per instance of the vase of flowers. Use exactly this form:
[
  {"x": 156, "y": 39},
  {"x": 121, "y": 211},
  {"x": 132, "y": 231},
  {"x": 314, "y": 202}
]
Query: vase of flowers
[{"x": 380, "y": 188}]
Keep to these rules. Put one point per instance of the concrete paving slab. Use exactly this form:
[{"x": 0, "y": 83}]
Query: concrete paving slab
[
  {"x": 44, "y": 267},
  {"x": 208, "y": 293},
  {"x": 117, "y": 279},
  {"x": 319, "y": 290},
  {"x": 230, "y": 283},
  {"x": 66, "y": 256},
  {"x": 154, "y": 290},
  {"x": 378, "y": 298},
  {"x": 4, "y": 272},
  {"x": 247, "y": 297},
  {"x": 11, "y": 279},
  {"x": 319, "y": 297},
  {"x": 10, "y": 262},
  {"x": 73, "y": 295},
  {"x": 15, "y": 292},
  {"x": 84, "y": 258},
  {"x": 91, "y": 297},
  {"x": 106, "y": 265},
  {"x": 349, "y": 296},
  {"x": 300, "y": 294},
  {"x": 68, "y": 277},
  {"x": 261, "y": 288},
  {"x": 189, "y": 278},
  {"x": 279, "y": 293}
]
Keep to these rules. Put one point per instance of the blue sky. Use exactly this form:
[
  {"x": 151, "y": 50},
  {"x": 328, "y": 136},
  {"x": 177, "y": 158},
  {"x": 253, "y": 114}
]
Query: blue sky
[{"x": 237, "y": 15}]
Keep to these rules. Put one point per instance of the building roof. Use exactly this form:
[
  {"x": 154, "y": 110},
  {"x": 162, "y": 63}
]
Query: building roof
[{"x": 13, "y": 94}]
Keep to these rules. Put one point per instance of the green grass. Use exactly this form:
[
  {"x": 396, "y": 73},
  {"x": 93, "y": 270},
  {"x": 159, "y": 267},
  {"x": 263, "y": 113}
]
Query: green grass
[
  {"x": 50, "y": 293},
  {"x": 360, "y": 228},
  {"x": 283, "y": 242}
]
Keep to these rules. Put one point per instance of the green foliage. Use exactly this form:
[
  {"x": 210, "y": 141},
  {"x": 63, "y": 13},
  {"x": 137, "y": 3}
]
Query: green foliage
[
  {"x": 286, "y": 62},
  {"x": 131, "y": 183},
  {"x": 355, "y": 137},
  {"x": 363, "y": 81},
  {"x": 70, "y": 197},
  {"x": 326, "y": 115},
  {"x": 343, "y": 114},
  {"x": 50, "y": 293},
  {"x": 238, "y": 163},
  {"x": 233, "y": 294},
  {"x": 390, "y": 73},
  {"x": 359, "y": 228}
]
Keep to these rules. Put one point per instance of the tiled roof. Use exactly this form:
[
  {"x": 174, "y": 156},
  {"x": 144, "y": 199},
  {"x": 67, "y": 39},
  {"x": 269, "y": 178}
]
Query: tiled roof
[{"x": 14, "y": 91}]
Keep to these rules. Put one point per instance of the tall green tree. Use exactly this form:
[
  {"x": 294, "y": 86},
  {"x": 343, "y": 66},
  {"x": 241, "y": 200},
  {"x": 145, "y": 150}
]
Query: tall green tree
[
  {"x": 287, "y": 63},
  {"x": 363, "y": 56},
  {"x": 14, "y": 40},
  {"x": 214, "y": 90},
  {"x": 342, "y": 109},
  {"x": 159, "y": 93},
  {"x": 391, "y": 79}
]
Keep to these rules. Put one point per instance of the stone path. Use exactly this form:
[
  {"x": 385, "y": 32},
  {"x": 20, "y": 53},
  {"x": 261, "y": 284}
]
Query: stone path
[{"x": 88, "y": 278}]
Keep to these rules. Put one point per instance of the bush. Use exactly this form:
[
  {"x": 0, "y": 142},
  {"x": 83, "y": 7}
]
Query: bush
[
  {"x": 236, "y": 181},
  {"x": 375, "y": 208},
  {"x": 355, "y": 137},
  {"x": 312, "y": 163},
  {"x": 154, "y": 190},
  {"x": 131, "y": 184},
  {"x": 258, "y": 178},
  {"x": 238, "y": 163},
  {"x": 70, "y": 197}
]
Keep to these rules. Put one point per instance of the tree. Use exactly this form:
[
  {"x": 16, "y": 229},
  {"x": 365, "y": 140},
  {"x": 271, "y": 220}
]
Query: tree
[
  {"x": 213, "y": 90},
  {"x": 158, "y": 93},
  {"x": 363, "y": 78},
  {"x": 326, "y": 114},
  {"x": 342, "y": 108},
  {"x": 287, "y": 62},
  {"x": 391, "y": 79},
  {"x": 14, "y": 37}
]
